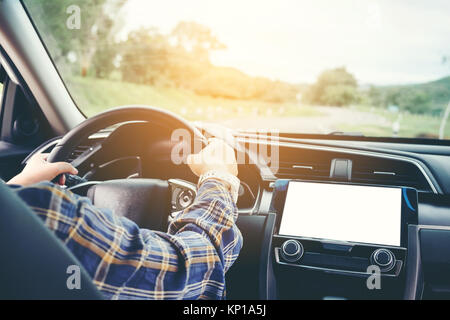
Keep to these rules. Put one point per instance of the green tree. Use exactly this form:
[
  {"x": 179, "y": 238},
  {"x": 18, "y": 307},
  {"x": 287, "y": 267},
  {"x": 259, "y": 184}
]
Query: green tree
[
  {"x": 339, "y": 95},
  {"x": 182, "y": 59},
  {"x": 375, "y": 97},
  {"x": 145, "y": 57},
  {"x": 334, "y": 87},
  {"x": 415, "y": 101},
  {"x": 92, "y": 46}
]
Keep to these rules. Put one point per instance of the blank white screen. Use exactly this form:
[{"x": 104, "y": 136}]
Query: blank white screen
[{"x": 343, "y": 212}]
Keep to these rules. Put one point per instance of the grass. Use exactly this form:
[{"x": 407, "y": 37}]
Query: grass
[
  {"x": 411, "y": 125},
  {"x": 95, "y": 95}
]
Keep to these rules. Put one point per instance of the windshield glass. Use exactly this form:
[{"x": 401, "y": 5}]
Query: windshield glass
[{"x": 378, "y": 68}]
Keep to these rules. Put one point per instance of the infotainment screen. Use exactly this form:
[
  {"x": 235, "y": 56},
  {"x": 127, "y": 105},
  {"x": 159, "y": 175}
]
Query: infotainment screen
[{"x": 366, "y": 214}]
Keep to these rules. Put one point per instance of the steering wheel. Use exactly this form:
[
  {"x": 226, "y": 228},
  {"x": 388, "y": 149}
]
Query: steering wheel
[
  {"x": 117, "y": 115},
  {"x": 128, "y": 197}
]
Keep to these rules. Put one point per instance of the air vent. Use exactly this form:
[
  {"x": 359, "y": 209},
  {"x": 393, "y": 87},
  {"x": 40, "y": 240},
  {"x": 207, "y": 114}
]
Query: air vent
[
  {"x": 77, "y": 152},
  {"x": 389, "y": 172},
  {"x": 303, "y": 170},
  {"x": 315, "y": 165}
]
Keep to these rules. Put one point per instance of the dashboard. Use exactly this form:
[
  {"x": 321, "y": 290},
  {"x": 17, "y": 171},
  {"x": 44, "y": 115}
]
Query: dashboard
[
  {"x": 344, "y": 229},
  {"x": 314, "y": 224}
]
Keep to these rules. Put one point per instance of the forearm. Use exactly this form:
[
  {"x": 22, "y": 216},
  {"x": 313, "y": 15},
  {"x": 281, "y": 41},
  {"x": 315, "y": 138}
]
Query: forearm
[{"x": 212, "y": 215}]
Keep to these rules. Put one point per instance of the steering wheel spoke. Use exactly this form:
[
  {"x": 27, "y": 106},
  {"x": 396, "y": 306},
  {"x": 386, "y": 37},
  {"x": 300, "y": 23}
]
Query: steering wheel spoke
[{"x": 86, "y": 155}]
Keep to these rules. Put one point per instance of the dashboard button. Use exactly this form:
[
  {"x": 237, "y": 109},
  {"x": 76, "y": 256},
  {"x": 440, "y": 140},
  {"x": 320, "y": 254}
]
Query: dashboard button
[
  {"x": 292, "y": 250},
  {"x": 383, "y": 258}
]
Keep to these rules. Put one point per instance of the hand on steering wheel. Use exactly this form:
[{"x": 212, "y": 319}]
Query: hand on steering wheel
[
  {"x": 217, "y": 156},
  {"x": 38, "y": 169}
]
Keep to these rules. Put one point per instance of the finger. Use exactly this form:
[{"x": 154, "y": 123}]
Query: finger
[
  {"x": 62, "y": 180},
  {"x": 64, "y": 167}
]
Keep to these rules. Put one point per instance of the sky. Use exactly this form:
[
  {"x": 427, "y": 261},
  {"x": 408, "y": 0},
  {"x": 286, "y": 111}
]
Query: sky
[{"x": 381, "y": 42}]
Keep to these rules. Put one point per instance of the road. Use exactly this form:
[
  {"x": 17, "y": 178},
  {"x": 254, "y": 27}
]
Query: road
[{"x": 329, "y": 121}]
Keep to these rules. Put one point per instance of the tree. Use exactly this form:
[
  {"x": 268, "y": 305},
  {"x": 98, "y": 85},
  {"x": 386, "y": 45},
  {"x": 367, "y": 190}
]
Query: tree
[
  {"x": 415, "y": 101},
  {"x": 181, "y": 59},
  {"x": 375, "y": 97},
  {"x": 409, "y": 98},
  {"x": 92, "y": 45},
  {"x": 145, "y": 56},
  {"x": 334, "y": 87},
  {"x": 196, "y": 39},
  {"x": 339, "y": 95}
]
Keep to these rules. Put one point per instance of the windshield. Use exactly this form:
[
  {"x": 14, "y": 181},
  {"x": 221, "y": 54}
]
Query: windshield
[{"x": 376, "y": 68}]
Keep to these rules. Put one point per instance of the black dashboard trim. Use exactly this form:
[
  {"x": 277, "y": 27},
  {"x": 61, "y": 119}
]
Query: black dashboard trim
[
  {"x": 376, "y": 154},
  {"x": 267, "y": 277},
  {"x": 335, "y": 271},
  {"x": 414, "y": 277}
]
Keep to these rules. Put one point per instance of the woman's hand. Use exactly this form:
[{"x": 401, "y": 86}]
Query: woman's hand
[
  {"x": 217, "y": 156},
  {"x": 38, "y": 169}
]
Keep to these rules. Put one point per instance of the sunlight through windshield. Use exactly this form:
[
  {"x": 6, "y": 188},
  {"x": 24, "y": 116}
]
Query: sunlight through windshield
[{"x": 370, "y": 67}]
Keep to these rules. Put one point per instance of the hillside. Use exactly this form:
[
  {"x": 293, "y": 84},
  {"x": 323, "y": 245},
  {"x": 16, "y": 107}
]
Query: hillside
[
  {"x": 425, "y": 98},
  {"x": 439, "y": 90}
]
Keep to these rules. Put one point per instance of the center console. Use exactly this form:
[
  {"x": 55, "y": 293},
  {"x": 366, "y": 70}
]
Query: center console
[{"x": 341, "y": 240}]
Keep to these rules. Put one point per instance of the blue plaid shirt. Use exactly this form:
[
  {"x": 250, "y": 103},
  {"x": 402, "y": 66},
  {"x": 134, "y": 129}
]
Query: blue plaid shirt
[{"x": 127, "y": 262}]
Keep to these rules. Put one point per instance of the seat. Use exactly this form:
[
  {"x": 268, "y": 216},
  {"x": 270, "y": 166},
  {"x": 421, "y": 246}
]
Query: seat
[{"x": 34, "y": 262}]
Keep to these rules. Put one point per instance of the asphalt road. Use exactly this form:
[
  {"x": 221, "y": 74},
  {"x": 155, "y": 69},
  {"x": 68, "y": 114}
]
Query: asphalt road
[{"x": 329, "y": 121}]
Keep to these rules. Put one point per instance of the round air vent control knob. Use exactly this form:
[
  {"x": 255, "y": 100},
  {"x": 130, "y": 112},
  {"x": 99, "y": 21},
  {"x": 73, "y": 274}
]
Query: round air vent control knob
[
  {"x": 292, "y": 250},
  {"x": 383, "y": 258}
]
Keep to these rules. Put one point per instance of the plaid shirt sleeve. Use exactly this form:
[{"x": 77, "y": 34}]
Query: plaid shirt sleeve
[{"x": 126, "y": 262}]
